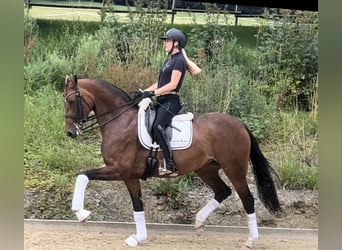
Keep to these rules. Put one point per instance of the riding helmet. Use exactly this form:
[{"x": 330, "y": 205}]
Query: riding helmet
[{"x": 176, "y": 34}]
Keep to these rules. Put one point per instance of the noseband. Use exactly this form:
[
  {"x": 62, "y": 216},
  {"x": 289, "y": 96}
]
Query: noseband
[{"x": 78, "y": 117}]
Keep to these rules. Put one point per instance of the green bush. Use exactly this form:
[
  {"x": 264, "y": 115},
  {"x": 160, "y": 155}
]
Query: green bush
[
  {"x": 296, "y": 175},
  {"x": 31, "y": 32},
  {"x": 289, "y": 59},
  {"x": 293, "y": 148},
  {"x": 237, "y": 78},
  {"x": 62, "y": 36},
  {"x": 49, "y": 70}
]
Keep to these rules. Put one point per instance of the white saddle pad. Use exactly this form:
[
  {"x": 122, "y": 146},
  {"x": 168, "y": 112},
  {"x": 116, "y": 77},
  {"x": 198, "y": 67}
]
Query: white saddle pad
[{"x": 181, "y": 128}]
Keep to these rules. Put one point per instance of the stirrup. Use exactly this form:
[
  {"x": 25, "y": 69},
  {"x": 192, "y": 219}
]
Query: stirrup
[
  {"x": 167, "y": 171},
  {"x": 163, "y": 171}
]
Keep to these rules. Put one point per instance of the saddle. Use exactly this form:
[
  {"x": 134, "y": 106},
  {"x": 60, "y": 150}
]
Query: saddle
[{"x": 179, "y": 132}]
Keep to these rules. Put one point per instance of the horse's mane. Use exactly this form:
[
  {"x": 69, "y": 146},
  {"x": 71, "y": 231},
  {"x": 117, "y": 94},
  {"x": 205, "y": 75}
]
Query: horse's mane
[{"x": 110, "y": 87}]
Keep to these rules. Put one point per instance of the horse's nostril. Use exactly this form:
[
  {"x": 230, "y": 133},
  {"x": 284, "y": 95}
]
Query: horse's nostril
[{"x": 70, "y": 134}]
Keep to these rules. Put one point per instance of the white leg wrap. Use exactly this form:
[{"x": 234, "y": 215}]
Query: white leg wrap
[
  {"x": 78, "y": 198},
  {"x": 141, "y": 233},
  {"x": 253, "y": 227},
  {"x": 140, "y": 224},
  {"x": 203, "y": 214},
  {"x": 80, "y": 187}
]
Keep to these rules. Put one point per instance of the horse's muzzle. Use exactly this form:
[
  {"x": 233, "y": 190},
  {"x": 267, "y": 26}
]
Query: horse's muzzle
[{"x": 74, "y": 130}]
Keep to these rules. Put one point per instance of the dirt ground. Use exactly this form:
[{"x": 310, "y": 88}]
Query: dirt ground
[
  {"x": 65, "y": 238},
  {"x": 109, "y": 202}
]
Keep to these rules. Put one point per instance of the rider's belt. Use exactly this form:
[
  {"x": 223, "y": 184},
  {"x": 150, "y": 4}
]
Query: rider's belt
[{"x": 170, "y": 93}]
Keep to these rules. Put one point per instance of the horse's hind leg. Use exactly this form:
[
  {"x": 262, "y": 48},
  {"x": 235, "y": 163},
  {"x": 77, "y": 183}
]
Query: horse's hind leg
[
  {"x": 238, "y": 180},
  {"x": 209, "y": 174}
]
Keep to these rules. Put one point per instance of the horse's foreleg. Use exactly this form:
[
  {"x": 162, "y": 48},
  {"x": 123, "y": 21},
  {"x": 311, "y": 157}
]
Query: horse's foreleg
[
  {"x": 78, "y": 198},
  {"x": 203, "y": 214},
  {"x": 105, "y": 173},
  {"x": 140, "y": 236}
]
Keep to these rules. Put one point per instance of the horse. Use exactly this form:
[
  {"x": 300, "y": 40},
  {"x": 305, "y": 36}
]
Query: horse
[{"x": 220, "y": 141}]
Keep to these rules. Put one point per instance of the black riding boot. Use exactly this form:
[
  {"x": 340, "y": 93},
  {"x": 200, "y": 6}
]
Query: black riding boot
[{"x": 167, "y": 151}]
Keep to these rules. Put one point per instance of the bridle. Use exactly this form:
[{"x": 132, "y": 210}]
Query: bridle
[
  {"x": 78, "y": 117},
  {"x": 79, "y": 120}
]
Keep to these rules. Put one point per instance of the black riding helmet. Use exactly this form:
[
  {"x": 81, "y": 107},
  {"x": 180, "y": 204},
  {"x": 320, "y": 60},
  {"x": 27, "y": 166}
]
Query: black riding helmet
[{"x": 176, "y": 34}]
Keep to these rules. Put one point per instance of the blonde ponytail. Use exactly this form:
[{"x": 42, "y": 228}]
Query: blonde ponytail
[{"x": 191, "y": 66}]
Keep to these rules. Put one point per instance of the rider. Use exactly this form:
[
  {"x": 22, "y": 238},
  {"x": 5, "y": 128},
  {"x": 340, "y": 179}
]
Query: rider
[{"x": 170, "y": 79}]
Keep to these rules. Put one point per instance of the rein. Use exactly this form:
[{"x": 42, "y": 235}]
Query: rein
[
  {"x": 91, "y": 127},
  {"x": 79, "y": 120}
]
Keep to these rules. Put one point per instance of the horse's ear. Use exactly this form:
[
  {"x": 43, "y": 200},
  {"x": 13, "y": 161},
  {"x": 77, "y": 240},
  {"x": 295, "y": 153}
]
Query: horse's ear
[
  {"x": 75, "y": 80},
  {"x": 67, "y": 79}
]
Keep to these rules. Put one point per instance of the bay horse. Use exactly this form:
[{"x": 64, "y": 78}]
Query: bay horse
[{"x": 220, "y": 141}]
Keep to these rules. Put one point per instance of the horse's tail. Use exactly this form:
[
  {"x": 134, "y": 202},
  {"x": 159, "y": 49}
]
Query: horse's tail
[{"x": 261, "y": 169}]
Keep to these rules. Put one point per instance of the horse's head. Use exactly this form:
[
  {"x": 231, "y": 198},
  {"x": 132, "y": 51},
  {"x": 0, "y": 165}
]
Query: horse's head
[{"x": 76, "y": 106}]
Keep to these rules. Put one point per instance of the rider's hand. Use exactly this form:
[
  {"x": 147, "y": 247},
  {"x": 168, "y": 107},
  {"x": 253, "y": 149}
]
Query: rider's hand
[{"x": 147, "y": 94}]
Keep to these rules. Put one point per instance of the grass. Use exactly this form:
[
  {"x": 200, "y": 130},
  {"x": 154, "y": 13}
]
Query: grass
[
  {"x": 294, "y": 150},
  {"x": 72, "y": 14},
  {"x": 79, "y": 14}
]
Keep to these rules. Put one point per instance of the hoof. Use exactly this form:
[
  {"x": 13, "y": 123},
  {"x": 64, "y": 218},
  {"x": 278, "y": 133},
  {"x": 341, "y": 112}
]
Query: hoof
[
  {"x": 82, "y": 215},
  {"x": 199, "y": 228},
  {"x": 132, "y": 241},
  {"x": 248, "y": 244}
]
